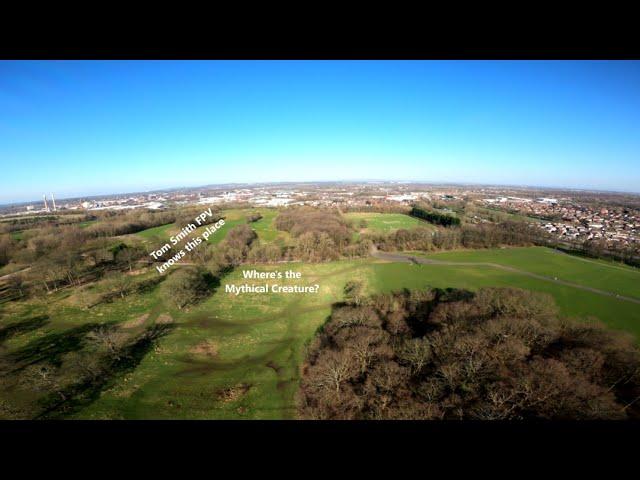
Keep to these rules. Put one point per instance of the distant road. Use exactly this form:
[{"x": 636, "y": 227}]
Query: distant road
[{"x": 406, "y": 258}]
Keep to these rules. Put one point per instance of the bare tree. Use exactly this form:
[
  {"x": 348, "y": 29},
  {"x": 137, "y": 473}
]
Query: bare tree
[{"x": 108, "y": 339}]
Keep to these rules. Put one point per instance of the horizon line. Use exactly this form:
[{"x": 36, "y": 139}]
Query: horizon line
[{"x": 276, "y": 182}]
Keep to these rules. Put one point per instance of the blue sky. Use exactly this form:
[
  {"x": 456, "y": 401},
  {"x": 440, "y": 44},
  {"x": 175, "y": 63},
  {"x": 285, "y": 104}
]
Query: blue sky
[{"x": 84, "y": 128}]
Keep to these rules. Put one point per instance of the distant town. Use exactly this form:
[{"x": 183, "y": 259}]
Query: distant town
[{"x": 574, "y": 216}]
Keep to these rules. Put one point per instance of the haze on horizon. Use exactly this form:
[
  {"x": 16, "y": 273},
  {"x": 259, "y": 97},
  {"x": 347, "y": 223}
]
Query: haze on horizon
[{"x": 83, "y": 128}]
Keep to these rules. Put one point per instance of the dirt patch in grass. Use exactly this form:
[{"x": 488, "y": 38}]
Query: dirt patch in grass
[
  {"x": 137, "y": 272},
  {"x": 136, "y": 322},
  {"x": 83, "y": 297},
  {"x": 164, "y": 319},
  {"x": 234, "y": 393},
  {"x": 208, "y": 349}
]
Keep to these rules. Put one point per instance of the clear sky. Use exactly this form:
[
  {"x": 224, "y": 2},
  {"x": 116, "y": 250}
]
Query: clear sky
[{"x": 79, "y": 128}]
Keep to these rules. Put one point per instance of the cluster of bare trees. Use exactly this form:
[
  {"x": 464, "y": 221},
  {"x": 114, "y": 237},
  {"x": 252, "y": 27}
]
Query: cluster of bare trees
[
  {"x": 7, "y": 246},
  {"x": 18, "y": 223},
  {"x": 54, "y": 375},
  {"x": 186, "y": 286},
  {"x": 379, "y": 208},
  {"x": 306, "y": 220},
  {"x": 62, "y": 253},
  {"x": 486, "y": 235},
  {"x": 254, "y": 217},
  {"x": 321, "y": 235},
  {"x": 73, "y": 267},
  {"x": 129, "y": 222},
  {"x": 185, "y": 216},
  {"x": 40, "y": 242},
  {"x": 451, "y": 354},
  {"x": 65, "y": 259},
  {"x": 233, "y": 250}
]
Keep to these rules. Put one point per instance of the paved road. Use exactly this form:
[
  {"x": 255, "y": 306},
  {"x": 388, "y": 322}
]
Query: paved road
[{"x": 406, "y": 258}]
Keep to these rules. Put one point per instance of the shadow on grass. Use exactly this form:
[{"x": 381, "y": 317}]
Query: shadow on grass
[
  {"x": 82, "y": 393},
  {"x": 24, "y": 326},
  {"x": 212, "y": 281},
  {"x": 52, "y": 347}
]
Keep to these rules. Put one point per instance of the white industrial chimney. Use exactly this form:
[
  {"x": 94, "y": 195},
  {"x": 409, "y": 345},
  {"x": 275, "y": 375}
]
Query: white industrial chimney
[
  {"x": 54, "y": 202},
  {"x": 46, "y": 207}
]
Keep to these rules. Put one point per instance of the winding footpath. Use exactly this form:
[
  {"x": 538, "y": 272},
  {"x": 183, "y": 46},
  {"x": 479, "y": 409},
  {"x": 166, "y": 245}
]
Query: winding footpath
[{"x": 406, "y": 258}]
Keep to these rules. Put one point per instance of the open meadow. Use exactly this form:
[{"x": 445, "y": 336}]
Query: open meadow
[
  {"x": 264, "y": 227},
  {"x": 383, "y": 222},
  {"x": 609, "y": 276}
]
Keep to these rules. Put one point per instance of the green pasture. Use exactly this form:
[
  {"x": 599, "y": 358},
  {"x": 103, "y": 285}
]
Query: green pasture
[
  {"x": 384, "y": 222},
  {"x": 608, "y": 276}
]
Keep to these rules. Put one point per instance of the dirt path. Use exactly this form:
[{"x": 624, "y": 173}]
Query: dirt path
[{"x": 402, "y": 257}]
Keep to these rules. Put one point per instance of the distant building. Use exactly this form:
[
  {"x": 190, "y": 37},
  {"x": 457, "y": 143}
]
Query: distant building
[
  {"x": 154, "y": 205},
  {"x": 401, "y": 198},
  {"x": 274, "y": 202}
]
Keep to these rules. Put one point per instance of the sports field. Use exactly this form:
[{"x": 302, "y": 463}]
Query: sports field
[{"x": 384, "y": 222}]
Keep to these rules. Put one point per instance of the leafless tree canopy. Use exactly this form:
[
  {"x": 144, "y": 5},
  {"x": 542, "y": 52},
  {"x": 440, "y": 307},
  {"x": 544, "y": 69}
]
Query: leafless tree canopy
[
  {"x": 452, "y": 354},
  {"x": 303, "y": 221}
]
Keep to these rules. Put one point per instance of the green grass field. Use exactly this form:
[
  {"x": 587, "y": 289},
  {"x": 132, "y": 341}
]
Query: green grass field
[
  {"x": 160, "y": 232},
  {"x": 239, "y": 356},
  {"x": 608, "y": 276},
  {"x": 384, "y": 222},
  {"x": 264, "y": 227}
]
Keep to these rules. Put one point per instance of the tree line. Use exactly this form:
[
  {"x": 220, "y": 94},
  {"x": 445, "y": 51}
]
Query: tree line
[
  {"x": 485, "y": 235},
  {"x": 436, "y": 218}
]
